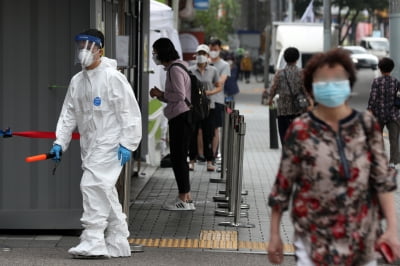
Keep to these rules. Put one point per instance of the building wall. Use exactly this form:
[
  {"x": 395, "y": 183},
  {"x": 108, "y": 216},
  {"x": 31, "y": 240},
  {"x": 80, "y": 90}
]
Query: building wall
[
  {"x": 37, "y": 53},
  {"x": 253, "y": 15}
]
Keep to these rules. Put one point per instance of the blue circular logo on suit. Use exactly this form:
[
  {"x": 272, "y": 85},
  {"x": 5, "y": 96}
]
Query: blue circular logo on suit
[{"x": 97, "y": 101}]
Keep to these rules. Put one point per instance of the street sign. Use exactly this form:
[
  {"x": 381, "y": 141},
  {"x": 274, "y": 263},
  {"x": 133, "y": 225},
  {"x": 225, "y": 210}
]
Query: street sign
[{"x": 201, "y": 4}]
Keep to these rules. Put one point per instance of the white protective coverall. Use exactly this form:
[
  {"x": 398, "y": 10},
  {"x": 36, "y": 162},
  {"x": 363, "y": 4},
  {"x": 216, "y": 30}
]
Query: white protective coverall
[{"x": 101, "y": 103}]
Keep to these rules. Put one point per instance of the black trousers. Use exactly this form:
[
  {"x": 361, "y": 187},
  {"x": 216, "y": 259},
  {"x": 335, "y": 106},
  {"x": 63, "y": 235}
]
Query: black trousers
[
  {"x": 207, "y": 127},
  {"x": 180, "y": 132},
  {"x": 247, "y": 74},
  {"x": 284, "y": 122},
  {"x": 393, "y": 128}
]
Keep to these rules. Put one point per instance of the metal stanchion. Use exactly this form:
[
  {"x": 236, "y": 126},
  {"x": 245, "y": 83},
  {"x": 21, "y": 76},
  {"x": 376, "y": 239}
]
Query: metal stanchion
[
  {"x": 225, "y": 157},
  {"x": 238, "y": 184},
  {"x": 126, "y": 202},
  {"x": 273, "y": 131},
  {"x": 227, "y": 111},
  {"x": 233, "y": 196},
  {"x": 229, "y": 153},
  {"x": 127, "y": 189}
]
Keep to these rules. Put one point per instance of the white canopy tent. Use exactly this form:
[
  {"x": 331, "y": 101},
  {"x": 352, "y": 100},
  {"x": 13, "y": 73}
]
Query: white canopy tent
[{"x": 161, "y": 25}]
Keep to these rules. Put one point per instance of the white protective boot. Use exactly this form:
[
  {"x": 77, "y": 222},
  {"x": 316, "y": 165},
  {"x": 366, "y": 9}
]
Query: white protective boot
[
  {"x": 117, "y": 244},
  {"x": 92, "y": 245},
  {"x": 117, "y": 232}
]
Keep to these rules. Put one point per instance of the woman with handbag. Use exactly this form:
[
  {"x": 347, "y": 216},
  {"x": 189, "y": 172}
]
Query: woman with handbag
[
  {"x": 288, "y": 85},
  {"x": 384, "y": 103},
  {"x": 177, "y": 90},
  {"x": 334, "y": 174}
]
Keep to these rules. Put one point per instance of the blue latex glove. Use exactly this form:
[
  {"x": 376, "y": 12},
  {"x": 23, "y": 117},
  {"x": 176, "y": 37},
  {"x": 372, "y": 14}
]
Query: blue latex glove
[
  {"x": 124, "y": 154},
  {"x": 57, "y": 150}
]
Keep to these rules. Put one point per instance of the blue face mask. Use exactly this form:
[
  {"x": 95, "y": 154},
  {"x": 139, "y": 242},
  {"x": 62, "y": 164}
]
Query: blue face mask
[{"x": 331, "y": 93}]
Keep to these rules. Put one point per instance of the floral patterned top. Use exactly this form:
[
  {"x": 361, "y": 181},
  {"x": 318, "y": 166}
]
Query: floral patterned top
[
  {"x": 332, "y": 180},
  {"x": 280, "y": 86},
  {"x": 381, "y": 99}
]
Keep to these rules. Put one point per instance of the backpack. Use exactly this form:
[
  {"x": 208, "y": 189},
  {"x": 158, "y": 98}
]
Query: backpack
[{"x": 199, "y": 103}]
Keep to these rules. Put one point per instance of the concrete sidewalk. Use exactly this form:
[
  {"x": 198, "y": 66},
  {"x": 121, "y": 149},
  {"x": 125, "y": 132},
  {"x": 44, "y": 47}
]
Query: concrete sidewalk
[{"x": 191, "y": 237}]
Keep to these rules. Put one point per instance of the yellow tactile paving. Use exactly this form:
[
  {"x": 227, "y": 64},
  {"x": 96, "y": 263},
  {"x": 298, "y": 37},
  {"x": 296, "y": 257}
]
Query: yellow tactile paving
[
  {"x": 218, "y": 235},
  {"x": 209, "y": 239}
]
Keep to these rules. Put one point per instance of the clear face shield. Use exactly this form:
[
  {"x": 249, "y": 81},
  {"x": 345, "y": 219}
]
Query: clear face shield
[{"x": 87, "y": 47}]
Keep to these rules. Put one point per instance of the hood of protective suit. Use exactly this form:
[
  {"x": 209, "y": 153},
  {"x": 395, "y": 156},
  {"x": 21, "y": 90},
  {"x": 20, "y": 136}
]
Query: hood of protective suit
[
  {"x": 108, "y": 62},
  {"x": 105, "y": 62}
]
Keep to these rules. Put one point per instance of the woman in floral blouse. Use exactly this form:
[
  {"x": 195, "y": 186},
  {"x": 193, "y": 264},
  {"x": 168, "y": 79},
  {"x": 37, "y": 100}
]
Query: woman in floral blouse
[
  {"x": 381, "y": 104},
  {"x": 335, "y": 173},
  {"x": 291, "y": 76}
]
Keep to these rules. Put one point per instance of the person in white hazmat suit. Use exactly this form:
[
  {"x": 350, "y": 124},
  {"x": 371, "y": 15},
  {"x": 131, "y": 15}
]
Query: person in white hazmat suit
[{"x": 101, "y": 103}]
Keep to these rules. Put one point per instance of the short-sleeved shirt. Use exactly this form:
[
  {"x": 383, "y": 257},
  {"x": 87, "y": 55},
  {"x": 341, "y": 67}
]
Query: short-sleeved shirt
[
  {"x": 208, "y": 78},
  {"x": 223, "y": 68},
  {"x": 332, "y": 180},
  {"x": 381, "y": 99}
]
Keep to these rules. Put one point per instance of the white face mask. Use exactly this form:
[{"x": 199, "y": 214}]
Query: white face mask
[
  {"x": 214, "y": 54},
  {"x": 86, "y": 57},
  {"x": 155, "y": 60},
  {"x": 201, "y": 59}
]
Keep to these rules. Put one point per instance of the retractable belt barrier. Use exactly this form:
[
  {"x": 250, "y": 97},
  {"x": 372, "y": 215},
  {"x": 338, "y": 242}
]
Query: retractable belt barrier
[
  {"x": 126, "y": 200},
  {"x": 227, "y": 110},
  {"x": 232, "y": 169}
]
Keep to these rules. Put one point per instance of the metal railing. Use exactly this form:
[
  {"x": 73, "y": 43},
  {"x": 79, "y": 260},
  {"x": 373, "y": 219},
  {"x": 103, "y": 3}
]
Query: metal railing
[{"x": 234, "y": 132}]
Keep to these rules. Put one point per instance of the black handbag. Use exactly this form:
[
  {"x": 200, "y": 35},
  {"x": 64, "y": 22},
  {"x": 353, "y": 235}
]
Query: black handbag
[
  {"x": 397, "y": 97},
  {"x": 397, "y": 101},
  {"x": 300, "y": 101}
]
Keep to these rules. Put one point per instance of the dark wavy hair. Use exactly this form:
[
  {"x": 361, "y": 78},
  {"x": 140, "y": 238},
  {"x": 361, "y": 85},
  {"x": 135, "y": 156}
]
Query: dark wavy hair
[
  {"x": 291, "y": 55},
  {"x": 165, "y": 50},
  {"x": 214, "y": 42},
  {"x": 331, "y": 58},
  {"x": 386, "y": 65}
]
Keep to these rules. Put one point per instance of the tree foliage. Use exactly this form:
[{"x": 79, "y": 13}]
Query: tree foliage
[
  {"x": 218, "y": 20},
  {"x": 349, "y": 12}
]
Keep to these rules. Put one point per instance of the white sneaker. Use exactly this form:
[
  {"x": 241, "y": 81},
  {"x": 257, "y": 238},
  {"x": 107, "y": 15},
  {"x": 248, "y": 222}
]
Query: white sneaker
[
  {"x": 191, "y": 205},
  {"x": 178, "y": 205}
]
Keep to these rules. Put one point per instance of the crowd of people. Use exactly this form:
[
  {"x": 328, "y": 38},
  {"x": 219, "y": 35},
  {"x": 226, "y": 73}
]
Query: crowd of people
[{"x": 333, "y": 173}]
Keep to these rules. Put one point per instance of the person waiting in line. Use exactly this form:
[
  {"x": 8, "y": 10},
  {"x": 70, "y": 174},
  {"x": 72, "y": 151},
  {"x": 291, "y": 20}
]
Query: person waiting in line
[
  {"x": 287, "y": 80},
  {"x": 224, "y": 71},
  {"x": 177, "y": 89},
  {"x": 208, "y": 76},
  {"x": 246, "y": 66},
  {"x": 238, "y": 58},
  {"x": 231, "y": 87},
  {"x": 334, "y": 173},
  {"x": 384, "y": 90},
  {"x": 101, "y": 103}
]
